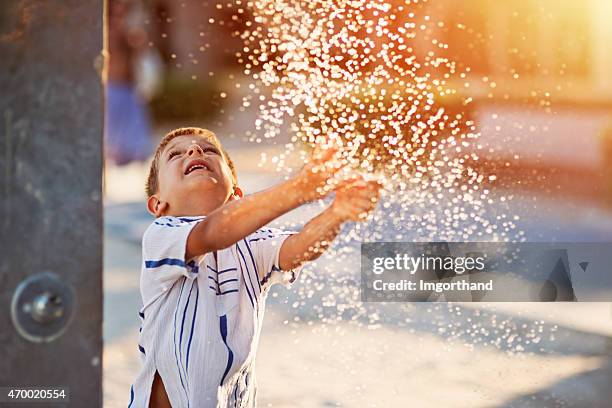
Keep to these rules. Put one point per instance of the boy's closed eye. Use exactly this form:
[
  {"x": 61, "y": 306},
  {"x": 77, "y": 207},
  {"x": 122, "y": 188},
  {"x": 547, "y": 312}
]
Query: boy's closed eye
[
  {"x": 173, "y": 153},
  {"x": 207, "y": 149}
]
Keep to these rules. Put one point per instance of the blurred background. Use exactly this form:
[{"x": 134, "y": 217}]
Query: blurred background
[{"x": 539, "y": 90}]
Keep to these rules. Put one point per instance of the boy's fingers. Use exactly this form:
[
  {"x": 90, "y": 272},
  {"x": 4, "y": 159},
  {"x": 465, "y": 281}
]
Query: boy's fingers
[
  {"x": 349, "y": 183},
  {"x": 322, "y": 154},
  {"x": 360, "y": 215},
  {"x": 328, "y": 159},
  {"x": 373, "y": 188},
  {"x": 364, "y": 197},
  {"x": 362, "y": 204},
  {"x": 363, "y": 189},
  {"x": 376, "y": 183},
  {"x": 334, "y": 164}
]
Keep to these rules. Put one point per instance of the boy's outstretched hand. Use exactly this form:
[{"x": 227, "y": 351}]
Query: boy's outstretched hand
[
  {"x": 355, "y": 199},
  {"x": 314, "y": 180}
]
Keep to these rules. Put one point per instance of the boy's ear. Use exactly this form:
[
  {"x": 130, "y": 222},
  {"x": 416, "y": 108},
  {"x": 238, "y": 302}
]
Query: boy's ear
[
  {"x": 238, "y": 192},
  {"x": 155, "y": 206}
]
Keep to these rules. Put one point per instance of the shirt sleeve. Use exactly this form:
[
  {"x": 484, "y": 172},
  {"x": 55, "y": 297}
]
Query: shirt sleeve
[
  {"x": 164, "y": 246},
  {"x": 266, "y": 244}
]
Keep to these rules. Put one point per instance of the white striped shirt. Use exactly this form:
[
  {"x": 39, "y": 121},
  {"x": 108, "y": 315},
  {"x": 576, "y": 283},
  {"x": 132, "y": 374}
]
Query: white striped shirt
[{"x": 201, "y": 320}]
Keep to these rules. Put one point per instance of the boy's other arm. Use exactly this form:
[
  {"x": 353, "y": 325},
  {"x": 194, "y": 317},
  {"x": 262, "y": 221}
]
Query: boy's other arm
[
  {"x": 238, "y": 218},
  {"x": 353, "y": 202},
  {"x": 311, "y": 241}
]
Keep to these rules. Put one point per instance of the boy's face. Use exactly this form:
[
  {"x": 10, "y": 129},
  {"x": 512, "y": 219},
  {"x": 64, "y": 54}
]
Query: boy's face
[{"x": 193, "y": 178}]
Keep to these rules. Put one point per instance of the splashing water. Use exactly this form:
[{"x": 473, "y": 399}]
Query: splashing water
[{"x": 352, "y": 73}]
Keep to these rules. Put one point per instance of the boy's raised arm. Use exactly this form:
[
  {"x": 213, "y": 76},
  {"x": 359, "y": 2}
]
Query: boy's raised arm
[
  {"x": 353, "y": 202},
  {"x": 236, "y": 219}
]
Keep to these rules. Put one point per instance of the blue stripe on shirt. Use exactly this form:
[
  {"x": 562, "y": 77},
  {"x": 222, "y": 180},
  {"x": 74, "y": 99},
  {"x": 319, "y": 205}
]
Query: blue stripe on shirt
[
  {"x": 185, "y": 219},
  {"x": 230, "y": 354},
  {"x": 165, "y": 261},
  {"x": 275, "y": 269},
  {"x": 236, "y": 390},
  {"x": 194, "y": 268},
  {"x": 246, "y": 383},
  {"x": 265, "y": 278},
  {"x": 193, "y": 319},
  {"x": 227, "y": 281},
  {"x": 223, "y": 293},
  {"x": 247, "y": 269},
  {"x": 221, "y": 271},
  {"x": 174, "y": 339},
  {"x": 131, "y": 396},
  {"x": 278, "y": 234},
  {"x": 167, "y": 225},
  {"x": 182, "y": 328},
  {"x": 253, "y": 261}
]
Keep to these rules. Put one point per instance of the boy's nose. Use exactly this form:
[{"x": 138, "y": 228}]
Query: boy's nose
[{"x": 193, "y": 149}]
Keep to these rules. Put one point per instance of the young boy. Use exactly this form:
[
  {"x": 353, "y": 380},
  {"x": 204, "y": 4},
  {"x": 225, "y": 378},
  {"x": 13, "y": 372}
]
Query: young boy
[{"x": 209, "y": 261}]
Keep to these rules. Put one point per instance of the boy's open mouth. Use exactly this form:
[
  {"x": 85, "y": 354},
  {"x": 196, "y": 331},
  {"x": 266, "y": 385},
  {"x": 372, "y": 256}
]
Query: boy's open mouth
[{"x": 197, "y": 164}]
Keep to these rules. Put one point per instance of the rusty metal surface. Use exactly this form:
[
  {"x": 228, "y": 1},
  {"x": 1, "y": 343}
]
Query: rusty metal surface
[{"x": 51, "y": 107}]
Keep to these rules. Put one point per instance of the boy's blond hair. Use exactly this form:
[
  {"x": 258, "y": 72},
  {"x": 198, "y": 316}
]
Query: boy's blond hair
[{"x": 152, "y": 185}]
